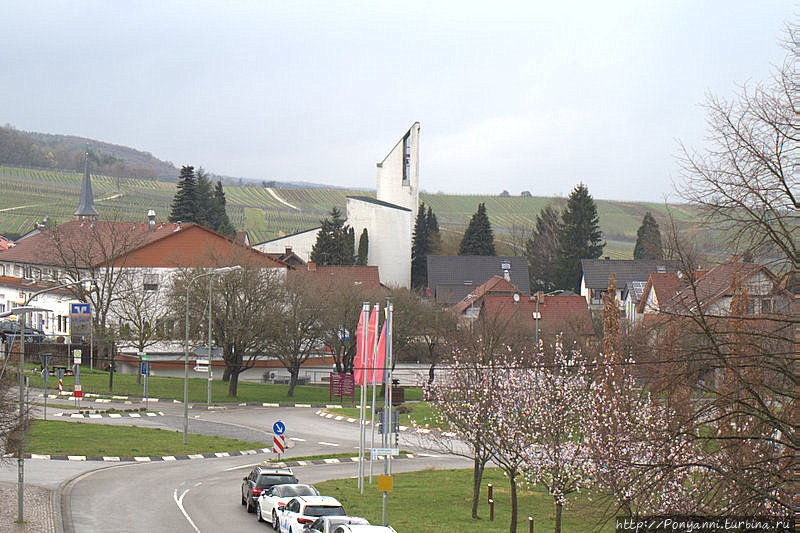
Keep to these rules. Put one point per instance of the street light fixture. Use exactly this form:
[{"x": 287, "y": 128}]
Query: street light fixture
[
  {"x": 21, "y": 312},
  {"x": 213, "y": 272}
]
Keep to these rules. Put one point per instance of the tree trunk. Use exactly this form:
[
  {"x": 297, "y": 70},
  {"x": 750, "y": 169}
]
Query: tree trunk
[
  {"x": 233, "y": 384},
  {"x": 139, "y": 374},
  {"x": 226, "y": 374},
  {"x": 512, "y": 479},
  {"x": 293, "y": 373},
  {"x": 477, "y": 477},
  {"x": 431, "y": 373},
  {"x": 558, "y": 517}
]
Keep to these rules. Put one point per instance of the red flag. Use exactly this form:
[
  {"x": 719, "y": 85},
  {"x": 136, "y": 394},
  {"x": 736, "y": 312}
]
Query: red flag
[
  {"x": 380, "y": 358},
  {"x": 358, "y": 362},
  {"x": 370, "y": 356}
]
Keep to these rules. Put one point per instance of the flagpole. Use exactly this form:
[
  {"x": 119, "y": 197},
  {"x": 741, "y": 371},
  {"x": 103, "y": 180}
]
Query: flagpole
[
  {"x": 362, "y": 396},
  {"x": 374, "y": 351},
  {"x": 387, "y": 403}
]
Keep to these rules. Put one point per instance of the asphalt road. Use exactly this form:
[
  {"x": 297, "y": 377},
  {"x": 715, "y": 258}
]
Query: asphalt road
[{"x": 200, "y": 495}]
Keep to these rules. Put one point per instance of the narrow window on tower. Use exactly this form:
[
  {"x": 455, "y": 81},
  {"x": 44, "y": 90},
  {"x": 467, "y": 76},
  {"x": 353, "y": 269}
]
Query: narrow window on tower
[{"x": 406, "y": 160}]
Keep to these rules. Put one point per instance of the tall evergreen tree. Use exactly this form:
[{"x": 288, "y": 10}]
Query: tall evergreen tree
[
  {"x": 349, "y": 247},
  {"x": 419, "y": 250},
  {"x": 363, "y": 249},
  {"x": 542, "y": 249},
  {"x": 223, "y": 223},
  {"x": 434, "y": 237},
  {"x": 648, "y": 240},
  {"x": 205, "y": 210},
  {"x": 479, "y": 238},
  {"x": 331, "y": 246},
  {"x": 184, "y": 203},
  {"x": 580, "y": 236}
]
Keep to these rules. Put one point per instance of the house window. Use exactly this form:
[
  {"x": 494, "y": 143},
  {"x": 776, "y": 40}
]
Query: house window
[
  {"x": 406, "y": 161},
  {"x": 150, "y": 282},
  {"x": 2, "y": 308}
]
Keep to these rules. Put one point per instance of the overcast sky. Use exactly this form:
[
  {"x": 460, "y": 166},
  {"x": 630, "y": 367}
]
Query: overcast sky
[{"x": 519, "y": 96}]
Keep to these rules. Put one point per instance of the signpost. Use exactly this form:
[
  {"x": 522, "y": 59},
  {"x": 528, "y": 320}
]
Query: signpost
[
  {"x": 45, "y": 358},
  {"x": 80, "y": 320},
  {"x": 76, "y": 367},
  {"x": 278, "y": 440},
  {"x": 144, "y": 370}
]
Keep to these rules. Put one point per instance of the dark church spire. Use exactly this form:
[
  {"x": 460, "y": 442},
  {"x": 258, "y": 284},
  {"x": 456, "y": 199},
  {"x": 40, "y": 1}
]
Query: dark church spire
[{"x": 86, "y": 205}]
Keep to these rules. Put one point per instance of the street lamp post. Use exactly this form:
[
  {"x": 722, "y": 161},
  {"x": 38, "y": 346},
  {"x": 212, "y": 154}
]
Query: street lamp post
[
  {"x": 21, "y": 312},
  {"x": 189, "y": 281}
]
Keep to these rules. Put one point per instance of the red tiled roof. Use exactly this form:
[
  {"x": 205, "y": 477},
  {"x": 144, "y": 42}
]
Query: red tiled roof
[
  {"x": 715, "y": 283},
  {"x": 555, "y": 311},
  {"x": 17, "y": 283},
  {"x": 494, "y": 285},
  {"x": 188, "y": 246},
  {"x": 367, "y": 276},
  {"x": 665, "y": 284}
]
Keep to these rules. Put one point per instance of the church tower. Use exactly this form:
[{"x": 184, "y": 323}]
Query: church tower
[
  {"x": 398, "y": 173},
  {"x": 86, "y": 208}
]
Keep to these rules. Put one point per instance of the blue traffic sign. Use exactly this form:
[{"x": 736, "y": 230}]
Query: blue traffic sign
[
  {"x": 144, "y": 368},
  {"x": 278, "y": 428},
  {"x": 79, "y": 309}
]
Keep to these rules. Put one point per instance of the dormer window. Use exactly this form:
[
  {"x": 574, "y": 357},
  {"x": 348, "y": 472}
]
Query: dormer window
[{"x": 150, "y": 283}]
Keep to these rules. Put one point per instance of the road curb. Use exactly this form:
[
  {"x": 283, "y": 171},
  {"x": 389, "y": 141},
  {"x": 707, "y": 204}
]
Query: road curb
[
  {"x": 404, "y": 429},
  {"x": 151, "y": 459},
  {"x": 141, "y": 414}
]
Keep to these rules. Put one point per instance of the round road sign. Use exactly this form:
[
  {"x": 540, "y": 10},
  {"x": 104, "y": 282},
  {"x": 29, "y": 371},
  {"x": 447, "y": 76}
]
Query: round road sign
[{"x": 278, "y": 428}]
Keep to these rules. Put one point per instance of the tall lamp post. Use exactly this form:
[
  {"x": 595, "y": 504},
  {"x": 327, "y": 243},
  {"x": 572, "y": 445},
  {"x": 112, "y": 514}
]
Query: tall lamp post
[
  {"x": 212, "y": 272},
  {"x": 22, "y": 312}
]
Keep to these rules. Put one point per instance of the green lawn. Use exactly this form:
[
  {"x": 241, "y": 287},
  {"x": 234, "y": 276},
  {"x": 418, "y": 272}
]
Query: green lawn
[
  {"x": 76, "y": 438},
  {"x": 434, "y": 501},
  {"x": 172, "y": 388}
]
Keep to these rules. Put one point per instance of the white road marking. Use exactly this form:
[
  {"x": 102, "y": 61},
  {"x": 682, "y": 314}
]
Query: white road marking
[
  {"x": 179, "y": 503},
  {"x": 327, "y": 443},
  {"x": 298, "y": 439},
  {"x": 243, "y": 466}
]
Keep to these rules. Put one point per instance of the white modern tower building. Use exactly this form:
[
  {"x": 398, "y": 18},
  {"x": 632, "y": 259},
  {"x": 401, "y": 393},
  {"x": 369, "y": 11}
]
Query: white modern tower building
[{"x": 388, "y": 218}]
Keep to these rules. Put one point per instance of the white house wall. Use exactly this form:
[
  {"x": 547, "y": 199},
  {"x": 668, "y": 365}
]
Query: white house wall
[
  {"x": 390, "y": 186},
  {"x": 389, "y": 232},
  {"x": 300, "y": 243}
]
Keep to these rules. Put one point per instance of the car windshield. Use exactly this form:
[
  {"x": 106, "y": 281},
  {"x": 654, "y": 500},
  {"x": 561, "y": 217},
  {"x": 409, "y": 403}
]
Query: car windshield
[
  {"x": 296, "y": 490},
  {"x": 268, "y": 480},
  {"x": 324, "y": 510}
]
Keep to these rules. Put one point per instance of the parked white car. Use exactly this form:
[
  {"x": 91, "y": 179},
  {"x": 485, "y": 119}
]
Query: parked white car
[
  {"x": 274, "y": 497},
  {"x": 326, "y": 524},
  {"x": 364, "y": 529},
  {"x": 303, "y": 510}
]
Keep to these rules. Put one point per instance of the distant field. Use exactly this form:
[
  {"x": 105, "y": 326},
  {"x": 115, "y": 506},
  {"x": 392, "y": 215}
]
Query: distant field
[{"x": 31, "y": 194}]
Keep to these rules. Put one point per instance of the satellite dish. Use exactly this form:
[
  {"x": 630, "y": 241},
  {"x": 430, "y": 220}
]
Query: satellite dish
[{"x": 516, "y": 297}]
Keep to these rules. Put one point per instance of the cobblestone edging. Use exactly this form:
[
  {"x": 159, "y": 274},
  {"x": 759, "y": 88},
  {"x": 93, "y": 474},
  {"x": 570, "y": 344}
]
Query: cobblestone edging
[
  {"x": 110, "y": 415},
  {"x": 340, "y": 418}
]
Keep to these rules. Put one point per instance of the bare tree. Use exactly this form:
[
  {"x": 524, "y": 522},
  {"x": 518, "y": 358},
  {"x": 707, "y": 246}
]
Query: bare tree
[
  {"x": 297, "y": 330},
  {"x": 747, "y": 180},
  {"x": 243, "y": 309},
  {"x": 99, "y": 251},
  {"x": 141, "y": 310}
]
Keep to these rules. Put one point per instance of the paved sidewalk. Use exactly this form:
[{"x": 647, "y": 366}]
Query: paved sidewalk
[{"x": 39, "y": 509}]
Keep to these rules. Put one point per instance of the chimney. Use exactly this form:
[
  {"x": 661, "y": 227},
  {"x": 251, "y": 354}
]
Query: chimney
[
  {"x": 288, "y": 250},
  {"x": 177, "y": 226},
  {"x": 151, "y": 220},
  {"x": 312, "y": 266}
]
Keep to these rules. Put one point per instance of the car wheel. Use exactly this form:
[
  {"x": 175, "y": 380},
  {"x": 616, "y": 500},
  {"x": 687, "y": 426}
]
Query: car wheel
[
  {"x": 250, "y": 507},
  {"x": 275, "y": 525},
  {"x": 258, "y": 512},
  {"x": 244, "y": 502}
]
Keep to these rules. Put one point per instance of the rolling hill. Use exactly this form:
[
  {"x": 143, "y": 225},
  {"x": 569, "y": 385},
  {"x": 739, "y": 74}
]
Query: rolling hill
[{"x": 31, "y": 194}]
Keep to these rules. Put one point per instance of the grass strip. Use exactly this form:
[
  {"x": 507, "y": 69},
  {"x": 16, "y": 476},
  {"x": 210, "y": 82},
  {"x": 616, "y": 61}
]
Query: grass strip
[
  {"x": 419, "y": 412},
  {"x": 76, "y": 438},
  {"x": 432, "y": 501},
  {"x": 96, "y": 381}
]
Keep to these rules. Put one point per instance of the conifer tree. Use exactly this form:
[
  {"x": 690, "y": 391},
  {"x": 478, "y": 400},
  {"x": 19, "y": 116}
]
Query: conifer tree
[
  {"x": 542, "y": 249},
  {"x": 434, "y": 237},
  {"x": 205, "y": 212},
  {"x": 349, "y": 247},
  {"x": 580, "y": 236},
  {"x": 479, "y": 238},
  {"x": 419, "y": 250},
  {"x": 363, "y": 249},
  {"x": 223, "y": 223},
  {"x": 184, "y": 203},
  {"x": 648, "y": 239},
  {"x": 331, "y": 246}
]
